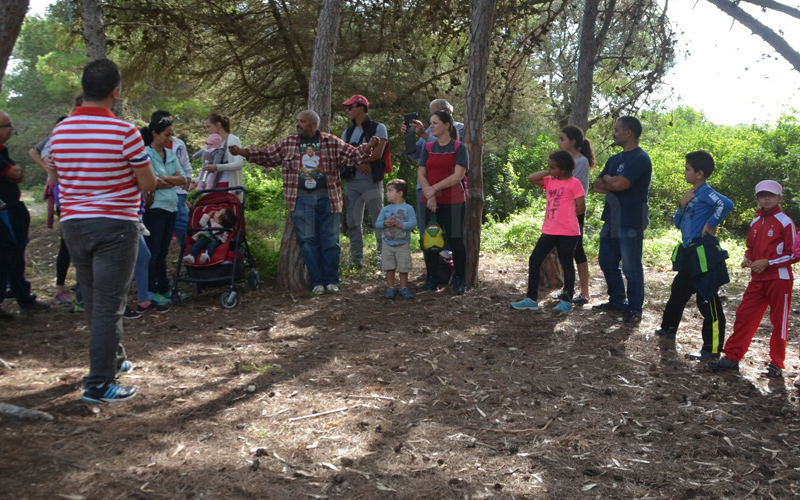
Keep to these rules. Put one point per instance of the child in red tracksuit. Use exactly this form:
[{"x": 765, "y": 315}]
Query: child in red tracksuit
[{"x": 769, "y": 256}]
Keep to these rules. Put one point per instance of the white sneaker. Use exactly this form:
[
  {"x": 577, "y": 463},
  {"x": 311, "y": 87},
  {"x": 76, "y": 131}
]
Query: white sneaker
[
  {"x": 189, "y": 259},
  {"x": 143, "y": 229},
  {"x": 797, "y": 381},
  {"x": 318, "y": 290},
  {"x": 204, "y": 257},
  {"x": 332, "y": 288}
]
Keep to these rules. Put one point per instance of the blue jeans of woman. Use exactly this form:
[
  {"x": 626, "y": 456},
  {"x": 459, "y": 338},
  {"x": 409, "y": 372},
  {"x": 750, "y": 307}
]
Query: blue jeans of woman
[
  {"x": 141, "y": 271},
  {"x": 317, "y": 232},
  {"x": 160, "y": 223}
]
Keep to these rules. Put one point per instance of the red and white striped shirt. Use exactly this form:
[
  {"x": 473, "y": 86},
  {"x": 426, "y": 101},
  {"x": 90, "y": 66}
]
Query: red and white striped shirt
[{"x": 95, "y": 154}]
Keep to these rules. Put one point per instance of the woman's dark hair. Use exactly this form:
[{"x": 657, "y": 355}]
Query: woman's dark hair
[
  {"x": 218, "y": 118},
  {"x": 582, "y": 144},
  {"x": 156, "y": 126},
  {"x": 448, "y": 118},
  {"x": 160, "y": 114},
  {"x": 564, "y": 161}
]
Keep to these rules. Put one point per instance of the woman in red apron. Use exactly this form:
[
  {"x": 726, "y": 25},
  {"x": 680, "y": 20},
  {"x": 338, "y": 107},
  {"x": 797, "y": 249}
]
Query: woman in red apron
[{"x": 442, "y": 166}]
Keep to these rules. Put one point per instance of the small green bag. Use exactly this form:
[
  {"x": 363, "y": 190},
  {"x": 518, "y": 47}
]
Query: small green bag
[{"x": 433, "y": 236}]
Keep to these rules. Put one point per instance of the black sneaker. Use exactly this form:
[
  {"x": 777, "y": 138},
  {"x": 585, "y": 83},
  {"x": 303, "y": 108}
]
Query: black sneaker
[
  {"x": 430, "y": 284},
  {"x": 723, "y": 364},
  {"x": 34, "y": 307},
  {"x": 606, "y": 307},
  {"x": 108, "y": 393},
  {"x": 666, "y": 333},
  {"x": 153, "y": 307},
  {"x": 630, "y": 317},
  {"x": 702, "y": 355},
  {"x": 131, "y": 313},
  {"x": 771, "y": 371},
  {"x": 459, "y": 287}
]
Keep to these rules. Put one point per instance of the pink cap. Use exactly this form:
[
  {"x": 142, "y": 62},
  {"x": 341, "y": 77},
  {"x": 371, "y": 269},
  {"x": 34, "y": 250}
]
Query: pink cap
[
  {"x": 356, "y": 99},
  {"x": 213, "y": 142},
  {"x": 770, "y": 187}
]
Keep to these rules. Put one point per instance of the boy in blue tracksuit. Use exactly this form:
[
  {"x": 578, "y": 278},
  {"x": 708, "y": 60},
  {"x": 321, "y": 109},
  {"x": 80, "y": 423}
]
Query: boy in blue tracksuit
[{"x": 699, "y": 260}]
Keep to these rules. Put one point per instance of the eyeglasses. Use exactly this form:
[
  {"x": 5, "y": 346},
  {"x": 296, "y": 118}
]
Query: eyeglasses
[
  {"x": 7, "y": 125},
  {"x": 351, "y": 107},
  {"x": 165, "y": 119}
]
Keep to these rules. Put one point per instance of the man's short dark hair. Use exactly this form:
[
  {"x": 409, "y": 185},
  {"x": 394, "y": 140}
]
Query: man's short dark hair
[
  {"x": 701, "y": 161},
  {"x": 399, "y": 185},
  {"x": 633, "y": 124},
  {"x": 99, "y": 80}
]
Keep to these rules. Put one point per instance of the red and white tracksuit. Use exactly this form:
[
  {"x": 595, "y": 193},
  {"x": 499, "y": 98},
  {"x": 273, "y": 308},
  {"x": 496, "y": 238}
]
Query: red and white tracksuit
[{"x": 771, "y": 237}]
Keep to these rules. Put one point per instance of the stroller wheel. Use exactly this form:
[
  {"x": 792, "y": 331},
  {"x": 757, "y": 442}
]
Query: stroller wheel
[
  {"x": 229, "y": 299},
  {"x": 252, "y": 279}
]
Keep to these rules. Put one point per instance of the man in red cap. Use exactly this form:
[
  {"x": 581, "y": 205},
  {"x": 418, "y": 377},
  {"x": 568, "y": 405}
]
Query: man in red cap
[
  {"x": 363, "y": 183},
  {"x": 769, "y": 257}
]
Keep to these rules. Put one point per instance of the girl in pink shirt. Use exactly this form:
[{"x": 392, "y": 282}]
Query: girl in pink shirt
[{"x": 566, "y": 200}]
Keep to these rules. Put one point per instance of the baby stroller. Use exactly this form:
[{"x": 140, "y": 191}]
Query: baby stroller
[{"x": 228, "y": 262}]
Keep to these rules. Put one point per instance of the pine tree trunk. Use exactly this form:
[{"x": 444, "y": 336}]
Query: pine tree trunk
[
  {"x": 12, "y": 14},
  {"x": 292, "y": 273},
  {"x": 94, "y": 30},
  {"x": 480, "y": 41},
  {"x": 321, "y": 82},
  {"x": 582, "y": 100}
]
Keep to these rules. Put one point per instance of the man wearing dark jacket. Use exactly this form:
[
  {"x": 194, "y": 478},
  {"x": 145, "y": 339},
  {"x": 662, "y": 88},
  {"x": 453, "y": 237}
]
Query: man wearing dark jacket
[
  {"x": 14, "y": 222},
  {"x": 363, "y": 183}
]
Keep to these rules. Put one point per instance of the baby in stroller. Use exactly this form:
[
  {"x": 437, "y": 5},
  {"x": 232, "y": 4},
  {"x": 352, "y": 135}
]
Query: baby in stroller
[
  {"x": 219, "y": 224},
  {"x": 212, "y": 154}
]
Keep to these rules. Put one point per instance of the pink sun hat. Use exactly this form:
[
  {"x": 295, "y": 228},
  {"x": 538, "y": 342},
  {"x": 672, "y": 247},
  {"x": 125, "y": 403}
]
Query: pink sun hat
[{"x": 213, "y": 142}]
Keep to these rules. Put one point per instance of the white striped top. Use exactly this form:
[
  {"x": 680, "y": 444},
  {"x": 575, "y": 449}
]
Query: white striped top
[{"x": 95, "y": 154}]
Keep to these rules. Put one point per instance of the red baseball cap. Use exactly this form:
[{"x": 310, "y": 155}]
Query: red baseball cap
[{"x": 356, "y": 99}]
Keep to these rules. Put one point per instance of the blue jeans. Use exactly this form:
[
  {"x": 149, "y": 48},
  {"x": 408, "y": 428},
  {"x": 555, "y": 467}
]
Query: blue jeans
[
  {"x": 209, "y": 244},
  {"x": 103, "y": 252},
  {"x": 160, "y": 223},
  {"x": 182, "y": 220},
  {"x": 142, "y": 270},
  {"x": 622, "y": 244},
  {"x": 317, "y": 231}
]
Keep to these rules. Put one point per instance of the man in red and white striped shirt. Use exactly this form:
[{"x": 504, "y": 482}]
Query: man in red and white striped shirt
[{"x": 102, "y": 167}]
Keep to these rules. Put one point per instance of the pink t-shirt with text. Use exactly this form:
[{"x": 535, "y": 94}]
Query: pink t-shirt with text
[{"x": 560, "y": 218}]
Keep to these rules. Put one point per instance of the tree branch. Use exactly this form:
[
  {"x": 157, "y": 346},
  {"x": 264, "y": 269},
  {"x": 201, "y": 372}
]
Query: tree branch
[
  {"x": 773, "y": 5},
  {"x": 765, "y": 32}
]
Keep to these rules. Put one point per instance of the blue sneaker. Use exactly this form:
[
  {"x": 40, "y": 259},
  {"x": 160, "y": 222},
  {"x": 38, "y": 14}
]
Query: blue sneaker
[
  {"x": 405, "y": 293},
  {"x": 108, "y": 393},
  {"x": 159, "y": 299},
  {"x": 526, "y": 303},
  {"x": 563, "y": 307},
  {"x": 125, "y": 368},
  {"x": 391, "y": 292}
]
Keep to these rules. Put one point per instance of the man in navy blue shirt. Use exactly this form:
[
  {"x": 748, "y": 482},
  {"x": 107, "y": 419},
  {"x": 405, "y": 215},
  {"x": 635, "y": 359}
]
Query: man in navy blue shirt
[{"x": 625, "y": 180}]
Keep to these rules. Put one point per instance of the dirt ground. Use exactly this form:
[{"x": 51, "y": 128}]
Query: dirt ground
[{"x": 441, "y": 397}]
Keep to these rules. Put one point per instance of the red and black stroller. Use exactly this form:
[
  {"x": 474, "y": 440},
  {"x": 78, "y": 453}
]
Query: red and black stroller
[{"x": 228, "y": 262}]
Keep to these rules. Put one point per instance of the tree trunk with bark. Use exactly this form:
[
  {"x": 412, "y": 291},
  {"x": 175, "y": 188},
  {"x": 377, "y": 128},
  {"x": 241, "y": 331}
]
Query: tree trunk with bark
[
  {"x": 582, "y": 100},
  {"x": 292, "y": 273},
  {"x": 321, "y": 81},
  {"x": 480, "y": 41},
  {"x": 12, "y": 14},
  {"x": 94, "y": 30}
]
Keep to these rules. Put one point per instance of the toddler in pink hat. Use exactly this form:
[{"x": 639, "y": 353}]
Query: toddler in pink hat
[{"x": 212, "y": 154}]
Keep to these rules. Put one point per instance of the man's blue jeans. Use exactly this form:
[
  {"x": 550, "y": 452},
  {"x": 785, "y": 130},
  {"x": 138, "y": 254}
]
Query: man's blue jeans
[
  {"x": 621, "y": 244},
  {"x": 317, "y": 231},
  {"x": 103, "y": 252}
]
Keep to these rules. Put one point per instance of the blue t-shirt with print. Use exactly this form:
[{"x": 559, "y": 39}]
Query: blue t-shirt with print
[
  {"x": 394, "y": 235},
  {"x": 629, "y": 208}
]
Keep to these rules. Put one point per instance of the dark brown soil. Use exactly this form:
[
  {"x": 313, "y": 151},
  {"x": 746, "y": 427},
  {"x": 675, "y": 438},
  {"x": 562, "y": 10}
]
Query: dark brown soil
[{"x": 441, "y": 397}]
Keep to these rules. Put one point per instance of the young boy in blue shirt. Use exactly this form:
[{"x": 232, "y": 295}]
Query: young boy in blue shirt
[
  {"x": 699, "y": 260},
  {"x": 396, "y": 221}
]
